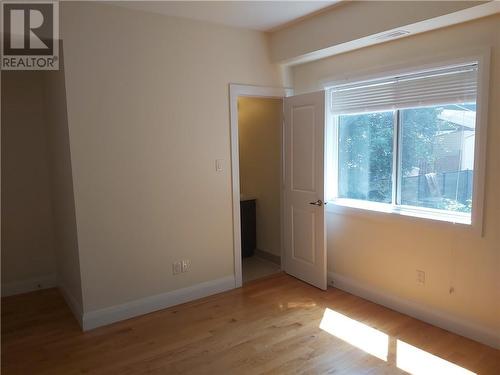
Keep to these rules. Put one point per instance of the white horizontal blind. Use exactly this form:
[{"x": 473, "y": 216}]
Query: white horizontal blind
[{"x": 451, "y": 85}]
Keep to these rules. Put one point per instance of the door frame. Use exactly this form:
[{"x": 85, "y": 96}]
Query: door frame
[{"x": 235, "y": 91}]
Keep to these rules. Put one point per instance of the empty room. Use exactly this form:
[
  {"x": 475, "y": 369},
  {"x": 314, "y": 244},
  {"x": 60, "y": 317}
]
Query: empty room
[{"x": 250, "y": 187}]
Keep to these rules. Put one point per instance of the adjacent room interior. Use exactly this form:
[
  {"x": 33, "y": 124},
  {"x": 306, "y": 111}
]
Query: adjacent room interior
[
  {"x": 251, "y": 188},
  {"x": 260, "y": 122}
]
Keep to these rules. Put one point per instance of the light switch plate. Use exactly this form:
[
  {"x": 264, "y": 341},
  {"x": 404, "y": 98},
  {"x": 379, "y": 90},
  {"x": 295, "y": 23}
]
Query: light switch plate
[
  {"x": 420, "y": 277},
  {"x": 219, "y": 165}
]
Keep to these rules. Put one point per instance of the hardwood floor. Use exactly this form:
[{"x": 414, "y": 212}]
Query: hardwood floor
[{"x": 269, "y": 326}]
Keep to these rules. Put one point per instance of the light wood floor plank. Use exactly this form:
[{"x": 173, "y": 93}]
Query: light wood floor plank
[{"x": 270, "y": 326}]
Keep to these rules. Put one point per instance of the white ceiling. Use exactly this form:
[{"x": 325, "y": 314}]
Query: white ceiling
[{"x": 256, "y": 15}]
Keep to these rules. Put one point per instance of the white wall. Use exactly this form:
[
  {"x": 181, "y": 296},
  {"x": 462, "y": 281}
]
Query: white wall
[
  {"x": 259, "y": 130},
  {"x": 28, "y": 259},
  {"x": 383, "y": 251},
  {"x": 148, "y": 115}
]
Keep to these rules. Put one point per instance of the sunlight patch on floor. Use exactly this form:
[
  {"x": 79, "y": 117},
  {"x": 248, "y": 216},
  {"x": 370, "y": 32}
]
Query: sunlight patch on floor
[
  {"x": 372, "y": 341},
  {"x": 417, "y": 361},
  {"x": 356, "y": 333}
]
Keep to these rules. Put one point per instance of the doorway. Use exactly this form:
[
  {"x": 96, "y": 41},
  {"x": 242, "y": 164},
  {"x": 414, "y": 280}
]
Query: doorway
[
  {"x": 301, "y": 184},
  {"x": 256, "y": 163},
  {"x": 259, "y": 140}
]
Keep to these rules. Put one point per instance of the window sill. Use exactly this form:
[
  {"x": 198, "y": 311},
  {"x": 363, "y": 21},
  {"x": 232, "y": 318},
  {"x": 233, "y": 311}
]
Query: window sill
[{"x": 343, "y": 206}]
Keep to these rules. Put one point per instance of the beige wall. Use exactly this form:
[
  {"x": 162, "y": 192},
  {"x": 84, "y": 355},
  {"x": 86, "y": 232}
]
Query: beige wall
[
  {"x": 27, "y": 236},
  {"x": 39, "y": 245},
  {"x": 63, "y": 203},
  {"x": 384, "y": 251},
  {"x": 260, "y": 123},
  {"x": 148, "y": 115},
  {"x": 353, "y": 20}
]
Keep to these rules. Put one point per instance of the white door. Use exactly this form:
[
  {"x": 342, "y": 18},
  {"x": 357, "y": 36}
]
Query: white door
[{"x": 304, "y": 211}]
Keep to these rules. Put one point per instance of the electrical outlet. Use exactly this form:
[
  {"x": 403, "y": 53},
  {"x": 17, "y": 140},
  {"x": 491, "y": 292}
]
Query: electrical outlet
[
  {"x": 181, "y": 266},
  {"x": 186, "y": 264},
  {"x": 176, "y": 268},
  {"x": 420, "y": 277}
]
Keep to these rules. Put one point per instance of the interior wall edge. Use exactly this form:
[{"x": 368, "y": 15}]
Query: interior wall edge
[
  {"x": 62, "y": 187},
  {"x": 73, "y": 304}
]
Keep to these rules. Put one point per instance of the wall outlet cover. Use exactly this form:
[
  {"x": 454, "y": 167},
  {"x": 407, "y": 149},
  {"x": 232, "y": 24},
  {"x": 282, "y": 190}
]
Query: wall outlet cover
[
  {"x": 420, "y": 277},
  {"x": 186, "y": 264},
  {"x": 176, "y": 268}
]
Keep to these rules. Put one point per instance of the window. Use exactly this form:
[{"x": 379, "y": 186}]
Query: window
[
  {"x": 406, "y": 144},
  {"x": 365, "y": 156}
]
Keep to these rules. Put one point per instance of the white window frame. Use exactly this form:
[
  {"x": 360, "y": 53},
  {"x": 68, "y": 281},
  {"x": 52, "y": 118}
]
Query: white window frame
[{"x": 474, "y": 221}]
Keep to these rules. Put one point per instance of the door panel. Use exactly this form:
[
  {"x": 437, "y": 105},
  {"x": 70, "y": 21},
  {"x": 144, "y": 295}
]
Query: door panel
[
  {"x": 303, "y": 240},
  {"x": 302, "y": 148},
  {"x": 304, "y": 226}
]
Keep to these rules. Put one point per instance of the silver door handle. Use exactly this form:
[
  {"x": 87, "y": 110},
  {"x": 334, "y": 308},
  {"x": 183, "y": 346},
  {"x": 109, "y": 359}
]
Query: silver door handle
[{"x": 319, "y": 203}]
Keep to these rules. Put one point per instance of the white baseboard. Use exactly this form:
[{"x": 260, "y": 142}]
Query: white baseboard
[
  {"x": 30, "y": 285},
  {"x": 98, "y": 318},
  {"x": 429, "y": 315},
  {"x": 73, "y": 304}
]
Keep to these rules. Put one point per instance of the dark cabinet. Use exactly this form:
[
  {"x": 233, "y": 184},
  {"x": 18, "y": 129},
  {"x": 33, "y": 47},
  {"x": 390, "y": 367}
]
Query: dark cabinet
[{"x": 248, "y": 228}]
